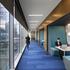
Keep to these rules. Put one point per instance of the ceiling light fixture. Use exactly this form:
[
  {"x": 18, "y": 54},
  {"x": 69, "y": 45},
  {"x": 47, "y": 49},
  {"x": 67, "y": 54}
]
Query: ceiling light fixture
[
  {"x": 35, "y": 15},
  {"x": 49, "y": 21},
  {"x": 68, "y": 24},
  {"x": 57, "y": 15}
]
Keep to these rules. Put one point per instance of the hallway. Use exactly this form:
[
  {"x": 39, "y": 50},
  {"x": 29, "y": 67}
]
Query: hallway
[{"x": 36, "y": 59}]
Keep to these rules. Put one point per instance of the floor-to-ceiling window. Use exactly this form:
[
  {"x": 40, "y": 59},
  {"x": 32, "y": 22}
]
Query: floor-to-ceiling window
[
  {"x": 12, "y": 39},
  {"x": 4, "y": 38},
  {"x": 16, "y": 38},
  {"x": 23, "y": 34}
]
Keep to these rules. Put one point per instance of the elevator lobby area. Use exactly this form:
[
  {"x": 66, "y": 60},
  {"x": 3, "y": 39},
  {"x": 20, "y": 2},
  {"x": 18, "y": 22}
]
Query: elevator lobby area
[{"x": 47, "y": 23}]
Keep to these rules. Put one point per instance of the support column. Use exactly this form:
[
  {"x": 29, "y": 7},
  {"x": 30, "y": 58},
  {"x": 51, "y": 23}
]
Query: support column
[
  {"x": 45, "y": 38},
  {"x": 38, "y": 38},
  {"x": 11, "y": 19},
  {"x": 35, "y": 34},
  {"x": 11, "y": 43}
]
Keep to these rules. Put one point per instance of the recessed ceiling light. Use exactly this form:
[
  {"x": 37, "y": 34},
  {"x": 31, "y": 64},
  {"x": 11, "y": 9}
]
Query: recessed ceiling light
[
  {"x": 49, "y": 21},
  {"x": 57, "y": 15},
  {"x": 35, "y": 15},
  {"x": 68, "y": 24}
]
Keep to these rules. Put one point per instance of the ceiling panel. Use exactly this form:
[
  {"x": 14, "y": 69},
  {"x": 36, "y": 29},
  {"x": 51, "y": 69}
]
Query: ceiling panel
[{"x": 37, "y": 7}]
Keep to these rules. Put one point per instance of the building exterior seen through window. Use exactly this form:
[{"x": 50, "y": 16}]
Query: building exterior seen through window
[
  {"x": 18, "y": 38},
  {"x": 4, "y": 38}
]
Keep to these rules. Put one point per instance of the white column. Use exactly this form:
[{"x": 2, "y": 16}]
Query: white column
[
  {"x": 35, "y": 34},
  {"x": 11, "y": 43}
]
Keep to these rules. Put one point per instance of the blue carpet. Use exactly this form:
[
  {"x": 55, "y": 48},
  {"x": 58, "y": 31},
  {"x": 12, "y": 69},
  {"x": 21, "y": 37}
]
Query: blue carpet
[{"x": 36, "y": 59}]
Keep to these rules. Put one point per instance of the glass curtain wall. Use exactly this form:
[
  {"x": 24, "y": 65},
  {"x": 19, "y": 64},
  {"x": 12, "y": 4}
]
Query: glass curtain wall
[
  {"x": 23, "y": 34},
  {"x": 4, "y": 38},
  {"x": 16, "y": 38}
]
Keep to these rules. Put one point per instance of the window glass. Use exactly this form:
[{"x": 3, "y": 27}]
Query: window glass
[
  {"x": 4, "y": 38},
  {"x": 23, "y": 34},
  {"x": 16, "y": 38}
]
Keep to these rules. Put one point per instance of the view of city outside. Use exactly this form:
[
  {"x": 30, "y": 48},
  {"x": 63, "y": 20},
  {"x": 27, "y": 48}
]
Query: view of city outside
[
  {"x": 23, "y": 34},
  {"x": 16, "y": 38},
  {"x": 4, "y": 38}
]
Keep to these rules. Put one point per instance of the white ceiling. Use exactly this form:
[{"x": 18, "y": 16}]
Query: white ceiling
[{"x": 39, "y": 9}]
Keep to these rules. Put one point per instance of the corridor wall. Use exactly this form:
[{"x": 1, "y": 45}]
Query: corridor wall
[
  {"x": 41, "y": 37},
  {"x": 54, "y": 32},
  {"x": 37, "y": 35},
  {"x": 33, "y": 35}
]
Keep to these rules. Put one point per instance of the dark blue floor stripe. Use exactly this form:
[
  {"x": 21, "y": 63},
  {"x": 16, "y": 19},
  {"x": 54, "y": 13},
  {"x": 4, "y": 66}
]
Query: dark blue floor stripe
[{"x": 36, "y": 59}]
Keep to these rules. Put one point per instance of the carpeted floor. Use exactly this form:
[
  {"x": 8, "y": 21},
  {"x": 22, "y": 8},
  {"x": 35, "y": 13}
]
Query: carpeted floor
[{"x": 36, "y": 59}]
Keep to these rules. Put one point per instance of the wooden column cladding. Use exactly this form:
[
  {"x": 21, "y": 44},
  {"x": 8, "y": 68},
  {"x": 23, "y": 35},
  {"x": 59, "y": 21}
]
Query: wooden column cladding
[{"x": 45, "y": 38}]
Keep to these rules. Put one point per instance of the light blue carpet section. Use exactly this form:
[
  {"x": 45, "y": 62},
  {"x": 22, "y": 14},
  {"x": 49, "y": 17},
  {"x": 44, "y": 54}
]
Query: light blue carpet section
[{"x": 36, "y": 59}]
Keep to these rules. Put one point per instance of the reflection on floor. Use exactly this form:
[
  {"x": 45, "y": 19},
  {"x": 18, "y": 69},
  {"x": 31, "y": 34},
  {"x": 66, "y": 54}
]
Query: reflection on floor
[{"x": 36, "y": 59}]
